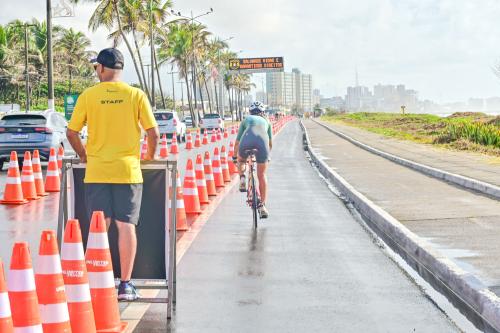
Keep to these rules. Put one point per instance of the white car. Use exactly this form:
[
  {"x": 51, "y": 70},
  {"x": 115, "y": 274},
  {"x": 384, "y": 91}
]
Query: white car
[
  {"x": 169, "y": 122},
  {"x": 211, "y": 121}
]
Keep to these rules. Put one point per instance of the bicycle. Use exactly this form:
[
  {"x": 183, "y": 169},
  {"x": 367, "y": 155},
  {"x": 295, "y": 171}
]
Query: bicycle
[{"x": 253, "y": 195}]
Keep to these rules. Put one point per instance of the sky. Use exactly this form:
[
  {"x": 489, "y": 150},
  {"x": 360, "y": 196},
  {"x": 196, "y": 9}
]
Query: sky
[{"x": 444, "y": 49}]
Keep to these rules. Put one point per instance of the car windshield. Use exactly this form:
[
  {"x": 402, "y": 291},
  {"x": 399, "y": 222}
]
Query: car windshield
[
  {"x": 22, "y": 120},
  {"x": 163, "y": 116},
  {"x": 211, "y": 116}
]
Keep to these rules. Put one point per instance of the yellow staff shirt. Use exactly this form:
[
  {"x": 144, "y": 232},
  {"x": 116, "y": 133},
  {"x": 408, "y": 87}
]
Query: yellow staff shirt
[{"x": 114, "y": 113}]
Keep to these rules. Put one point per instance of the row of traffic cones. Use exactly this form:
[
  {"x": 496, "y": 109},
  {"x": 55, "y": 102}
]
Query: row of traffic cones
[
  {"x": 72, "y": 293},
  {"x": 29, "y": 185}
]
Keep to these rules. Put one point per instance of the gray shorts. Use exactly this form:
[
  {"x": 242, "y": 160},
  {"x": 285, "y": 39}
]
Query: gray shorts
[{"x": 120, "y": 202}]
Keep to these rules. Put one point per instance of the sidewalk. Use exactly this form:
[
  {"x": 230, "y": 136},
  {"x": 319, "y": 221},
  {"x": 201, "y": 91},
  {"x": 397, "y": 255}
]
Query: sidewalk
[
  {"x": 462, "y": 225},
  {"x": 469, "y": 164}
]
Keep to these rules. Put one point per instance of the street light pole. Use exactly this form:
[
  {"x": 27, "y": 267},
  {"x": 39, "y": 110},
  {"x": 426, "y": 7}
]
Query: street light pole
[
  {"x": 153, "y": 101},
  {"x": 26, "y": 72},
  {"x": 50, "y": 79}
]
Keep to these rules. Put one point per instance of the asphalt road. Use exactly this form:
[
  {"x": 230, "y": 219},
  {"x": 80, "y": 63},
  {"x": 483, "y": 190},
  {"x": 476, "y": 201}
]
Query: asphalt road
[{"x": 309, "y": 268}]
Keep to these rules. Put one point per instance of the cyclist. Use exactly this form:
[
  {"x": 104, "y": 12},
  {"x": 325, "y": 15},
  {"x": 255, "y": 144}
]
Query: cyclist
[{"x": 255, "y": 132}]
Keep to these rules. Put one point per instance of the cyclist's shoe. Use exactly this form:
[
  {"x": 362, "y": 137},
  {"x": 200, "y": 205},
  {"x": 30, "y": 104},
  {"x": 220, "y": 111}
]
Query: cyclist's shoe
[
  {"x": 263, "y": 212},
  {"x": 243, "y": 184},
  {"x": 127, "y": 292}
]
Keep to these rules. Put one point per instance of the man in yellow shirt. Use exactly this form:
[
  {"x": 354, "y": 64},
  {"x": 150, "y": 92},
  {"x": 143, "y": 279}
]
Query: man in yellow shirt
[{"x": 114, "y": 113}]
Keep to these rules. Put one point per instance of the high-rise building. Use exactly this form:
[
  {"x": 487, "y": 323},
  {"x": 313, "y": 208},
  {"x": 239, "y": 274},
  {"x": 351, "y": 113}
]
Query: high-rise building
[{"x": 289, "y": 90}]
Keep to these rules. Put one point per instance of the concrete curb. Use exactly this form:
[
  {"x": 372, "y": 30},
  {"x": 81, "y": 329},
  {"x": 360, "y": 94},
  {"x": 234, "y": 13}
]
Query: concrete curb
[
  {"x": 462, "y": 181},
  {"x": 464, "y": 284}
]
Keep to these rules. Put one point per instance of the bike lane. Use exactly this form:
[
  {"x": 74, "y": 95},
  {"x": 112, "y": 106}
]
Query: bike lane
[{"x": 310, "y": 267}]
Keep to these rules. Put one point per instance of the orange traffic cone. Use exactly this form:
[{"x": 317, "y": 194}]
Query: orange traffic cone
[
  {"x": 216, "y": 168},
  {"x": 163, "y": 147},
  {"x": 219, "y": 136},
  {"x": 189, "y": 141},
  {"x": 76, "y": 280},
  {"x": 13, "y": 194},
  {"x": 209, "y": 176},
  {"x": 101, "y": 279},
  {"x": 144, "y": 148},
  {"x": 52, "y": 180},
  {"x": 226, "y": 134},
  {"x": 205, "y": 138},
  {"x": 37, "y": 174},
  {"x": 214, "y": 137},
  {"x": 22, "y": 293},
  {"x": 27, "y": 178},
  {"x": 200, "y": 180},
  {"x": 233, "y": 169},
  {"x": 6, "y": 325},
  {"x": 180, "y": 211},
  {"x": 60, "y": 155},
  {"x": 225, "y": 168},
  {"x": 197, "y": 141},
  {"x": 190, "y": 189},
  {"x": 50, "y": 286},
  {"x": 173, "y": 147}
]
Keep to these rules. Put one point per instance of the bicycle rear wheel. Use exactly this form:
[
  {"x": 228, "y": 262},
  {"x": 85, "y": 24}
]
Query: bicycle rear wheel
[{"x": 255, "y": 202}]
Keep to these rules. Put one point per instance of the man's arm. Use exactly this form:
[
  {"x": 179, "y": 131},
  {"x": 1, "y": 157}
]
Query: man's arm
[
  {"x": 76, "y": 143},
  {"x": 153, "y": 136}
]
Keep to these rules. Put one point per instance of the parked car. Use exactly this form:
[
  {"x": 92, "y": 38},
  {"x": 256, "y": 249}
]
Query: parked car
[
  {"x": 168, "y": 122},
  {"x": 23, "y": 132},
  {"x": 188, "y": 121},
  {"x": 211, "y": 121}
]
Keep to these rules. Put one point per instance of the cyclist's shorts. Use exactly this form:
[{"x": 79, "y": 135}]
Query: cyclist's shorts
[{"x": 252, "y": 139}]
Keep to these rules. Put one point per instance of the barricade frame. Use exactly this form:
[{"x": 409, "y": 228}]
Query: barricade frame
[{"x": 66, "y": 211}]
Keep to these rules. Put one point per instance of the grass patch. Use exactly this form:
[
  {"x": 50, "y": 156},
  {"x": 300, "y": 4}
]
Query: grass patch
[{"x": 461, "y": 131}]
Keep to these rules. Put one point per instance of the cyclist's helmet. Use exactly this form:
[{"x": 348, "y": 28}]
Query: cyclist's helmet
[{"x": 257, "y": 108}]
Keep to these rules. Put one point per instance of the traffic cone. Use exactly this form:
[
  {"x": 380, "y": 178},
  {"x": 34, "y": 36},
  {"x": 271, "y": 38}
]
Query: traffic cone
[
  {"x": 197, "y": 141},
  {"x": 219, "y": 136},
  {"x": 224, "y": 166},
  {"x": 173, "y": 147},
  {"x": 37, "y": 174},
  {"x": 22, "y": 293},
  {"x": 216, "y": 168},
  {"x": 201, "y": 183},
  {"x": 50, "y": 286},
  {"x": 27, "y": 178},
  {"x": 213, "y": 138},
  {"x": 13, "y": 194},
  {"x": 76, "y": 280},
  {"x": 60, "y": 155},
  {"x": 101, "y": 278},
  {"x": 52, "y": 180},
  {"x": 190, "y": 189},
  {"x": 6, "y": 325},
  {"x": 163, "y": 147},
  {"x": 144, "y": 148},
  {"x": 189, "y": 141},
  {"x": 226, "y": 134},
  {"x": 233, "y": 169},
  {"x": 209, "y": 176},
  {"x": 205, "y": 138},
  {"x": 180, "y": 211},
  {"x": 233, "y": 130}
]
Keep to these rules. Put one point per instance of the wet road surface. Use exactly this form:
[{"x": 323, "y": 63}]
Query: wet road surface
[{"x": 309, "y": 268}]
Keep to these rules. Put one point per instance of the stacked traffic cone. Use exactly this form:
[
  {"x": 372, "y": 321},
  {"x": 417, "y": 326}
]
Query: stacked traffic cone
[
  {"x": 209, "y": 176},
  {"x": 201, "y": 183},
  {"x": 191, "y": 199},
  {"x": 27, "y": 178},
  {"x": 233, "y": 130},
  {"x": 224, "y": 166},
  {"x": 205, "y": 138},
  {"x": 144, "y": 148},
  {"x": 219, "y": 136},
  {"x": 22, "y": 293},
  {"x": 163, "y": 147},
  {"x": 174, "y": 149},
  {"x": 226, "y": 134},
  {"x": 217, "y": 170},
  {"x": 76, "y": 280},
  {"x": 60, "y": 155},
  {"x": 37, "y": 174},
  {"x": 13, "y": 194},
  {"x": 213, "y": 138},
  {"x": 180, "y": 211},
  {"x": 197, "y": 141},
  {"x": 52, "y": 180},
  {"x": 6, "y": 325},
  {"x": 50, "y": 286},
  {"x": 189, "y": 141},
  {"x": 233, "y": 169},
  {"x": 101, "y": 279}
]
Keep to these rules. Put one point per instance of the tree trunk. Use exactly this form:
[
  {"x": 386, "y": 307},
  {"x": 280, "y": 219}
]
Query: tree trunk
[
  {"x": 159, "y": 82},
  {"x": 193, "y": 81},
  {"x": 217, "y": 101},
  {"x": 200, "y": 89},
  {"x": 138, "y": 50},
  {"x": 208, "y": 94},
  {"x": 190, "y": 101},
  {"x": 70, "y": 77},
  {"x": 129, "y": 47}
]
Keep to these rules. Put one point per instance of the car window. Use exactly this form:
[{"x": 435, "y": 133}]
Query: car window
[
  {"x": 58, "y": 120},
  {"x": 211, "y": 116},
  {"x": 23, "y": 120},
  {"x": 163, "y": 116}
]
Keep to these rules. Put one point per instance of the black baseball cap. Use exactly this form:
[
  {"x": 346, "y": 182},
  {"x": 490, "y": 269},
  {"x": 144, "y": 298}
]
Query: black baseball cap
[{"x": 110, "y": 58}]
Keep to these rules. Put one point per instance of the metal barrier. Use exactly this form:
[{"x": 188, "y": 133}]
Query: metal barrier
[{"x": 155, "y": 264}]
